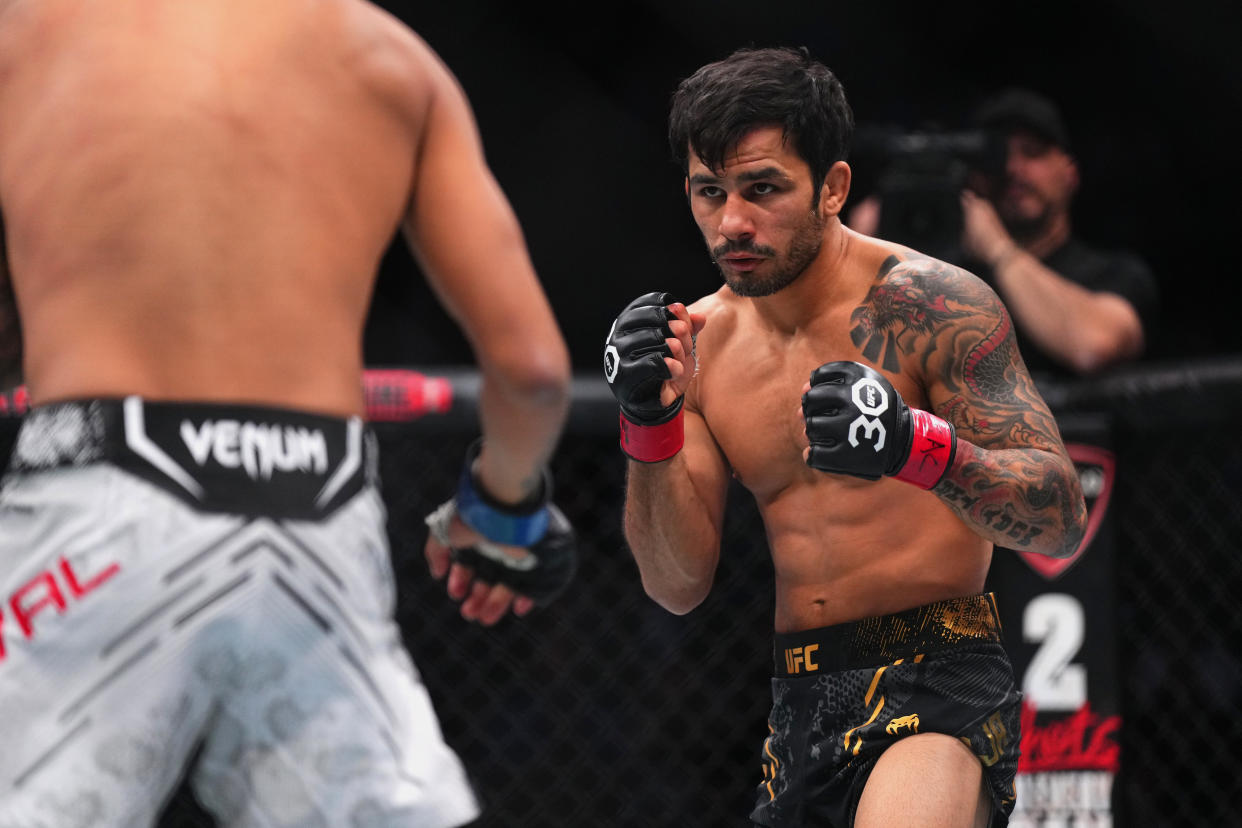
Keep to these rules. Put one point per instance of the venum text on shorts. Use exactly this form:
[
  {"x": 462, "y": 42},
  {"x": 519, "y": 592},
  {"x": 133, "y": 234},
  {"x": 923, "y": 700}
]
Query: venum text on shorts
[{"x": 258, "y": 448}]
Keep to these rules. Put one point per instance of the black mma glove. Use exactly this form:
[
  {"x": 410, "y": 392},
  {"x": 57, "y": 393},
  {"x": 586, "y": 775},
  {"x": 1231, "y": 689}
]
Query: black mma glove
[
  {"x": 634, "y": 367},
  {"x": 858, "y": 424},
  {"x": 535, "y": 524}
]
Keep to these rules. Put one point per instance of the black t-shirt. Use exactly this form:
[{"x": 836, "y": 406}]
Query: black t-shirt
[{"x": 1112, "y": 271}]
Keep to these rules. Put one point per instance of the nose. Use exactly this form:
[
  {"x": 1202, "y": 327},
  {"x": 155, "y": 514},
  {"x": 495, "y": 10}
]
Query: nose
[
  {"x": 736, "y": 222},
  {"x": 1014, "y": 164},
  {"x": 1015, "y": 158}
]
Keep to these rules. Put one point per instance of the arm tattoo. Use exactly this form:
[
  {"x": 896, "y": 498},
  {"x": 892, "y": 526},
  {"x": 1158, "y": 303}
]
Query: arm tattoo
[
  {"x": 897, "y": 311},
  {"x": 1018, "y": 499},
  {"x": 1012, "y": 480}
]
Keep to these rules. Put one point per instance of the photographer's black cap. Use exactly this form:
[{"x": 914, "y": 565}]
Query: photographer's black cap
[{"x": 1025, "y": 109}]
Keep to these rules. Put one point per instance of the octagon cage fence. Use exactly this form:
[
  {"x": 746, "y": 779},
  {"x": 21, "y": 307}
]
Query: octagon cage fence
[{"x": 605, "y": 710}]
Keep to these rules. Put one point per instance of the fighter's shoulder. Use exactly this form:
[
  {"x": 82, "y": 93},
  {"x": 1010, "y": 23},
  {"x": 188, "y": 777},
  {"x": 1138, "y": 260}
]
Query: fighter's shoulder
[
  {"x": 396, "y": 56},
  {"x": 709, "y": 304},
  {"x": 928, "y": 310},
  {"x": 721, "y": 310},
  {"x": 935, "y": 283}
]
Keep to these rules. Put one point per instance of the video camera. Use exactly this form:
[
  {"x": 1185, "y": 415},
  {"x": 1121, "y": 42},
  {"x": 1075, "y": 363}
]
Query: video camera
[{"x": 921, "y": 177}]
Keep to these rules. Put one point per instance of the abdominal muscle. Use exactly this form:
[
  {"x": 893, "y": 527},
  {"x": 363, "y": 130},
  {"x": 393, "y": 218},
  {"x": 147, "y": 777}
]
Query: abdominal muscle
[{"x": 845, "y": 549}]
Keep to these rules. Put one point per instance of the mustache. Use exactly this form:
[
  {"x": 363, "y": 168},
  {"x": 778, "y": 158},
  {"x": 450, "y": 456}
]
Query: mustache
[
  {"x": 742, "y": 247},
  {"x": 1017, "y": 184}
]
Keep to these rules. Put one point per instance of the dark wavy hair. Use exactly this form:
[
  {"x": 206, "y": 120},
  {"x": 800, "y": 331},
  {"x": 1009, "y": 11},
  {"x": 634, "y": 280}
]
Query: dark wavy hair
[{"x": 716, "y": 106}]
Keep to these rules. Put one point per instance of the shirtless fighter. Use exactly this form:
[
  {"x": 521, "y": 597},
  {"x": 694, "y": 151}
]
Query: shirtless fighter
[
  {"x": 873, "y": 402},
  {"x": 194, "y": 566}
]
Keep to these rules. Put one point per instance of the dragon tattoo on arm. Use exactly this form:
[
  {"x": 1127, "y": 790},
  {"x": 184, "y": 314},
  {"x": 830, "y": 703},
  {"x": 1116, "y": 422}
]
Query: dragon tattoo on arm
[{"x": 1012, "y": 480}]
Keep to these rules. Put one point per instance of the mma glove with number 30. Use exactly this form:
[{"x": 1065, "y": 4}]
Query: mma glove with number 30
[
  {"x": 634, "y": 367},
  {"x": 859, "y": 425},
  {"x": 536, "y": 525}
]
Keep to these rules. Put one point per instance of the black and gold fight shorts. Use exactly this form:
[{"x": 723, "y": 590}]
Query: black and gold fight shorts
[{"x": 842, "y": 694}]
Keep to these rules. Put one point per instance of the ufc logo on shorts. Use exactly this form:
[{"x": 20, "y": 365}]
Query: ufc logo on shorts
[
  {"x": 798, "y": 659},
  {"x": 870, "y": 398}
]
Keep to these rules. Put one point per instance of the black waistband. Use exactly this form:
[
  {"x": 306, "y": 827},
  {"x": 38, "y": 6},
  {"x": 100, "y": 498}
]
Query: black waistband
[
  {"x": 223, "y": 458},
  {"x": 884, "y": 639}
]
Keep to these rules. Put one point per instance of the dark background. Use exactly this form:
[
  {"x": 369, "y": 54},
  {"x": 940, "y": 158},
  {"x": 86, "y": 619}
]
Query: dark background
[{"x": 571, "y": 99}]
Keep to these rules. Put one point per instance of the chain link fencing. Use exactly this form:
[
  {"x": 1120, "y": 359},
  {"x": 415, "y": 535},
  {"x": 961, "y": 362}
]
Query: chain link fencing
[{"x": 605, "y": 710}]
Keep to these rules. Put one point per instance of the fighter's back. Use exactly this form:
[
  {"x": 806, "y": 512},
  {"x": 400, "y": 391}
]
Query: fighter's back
[{"x": 197, "y": 195}]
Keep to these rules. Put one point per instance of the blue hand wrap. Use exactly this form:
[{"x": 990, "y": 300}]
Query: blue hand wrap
[{"x": 521, "y": 524}]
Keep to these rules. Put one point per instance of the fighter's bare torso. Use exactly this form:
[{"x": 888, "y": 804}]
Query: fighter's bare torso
[
  {"x": 170, "y": 215},
  {"x": 842, "y": 548}
]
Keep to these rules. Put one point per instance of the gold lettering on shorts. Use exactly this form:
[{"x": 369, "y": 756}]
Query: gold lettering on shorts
[{"x": 799, "y": 659}]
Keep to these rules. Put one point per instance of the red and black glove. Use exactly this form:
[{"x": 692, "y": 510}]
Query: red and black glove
[
  {"x": 859, "y": 425},
  {"x": 634, "y": 367}
]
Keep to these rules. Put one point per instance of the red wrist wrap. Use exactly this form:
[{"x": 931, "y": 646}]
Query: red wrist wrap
[
  {"x": 651, "y": 444},
  {"x": 931, "y": 452}
]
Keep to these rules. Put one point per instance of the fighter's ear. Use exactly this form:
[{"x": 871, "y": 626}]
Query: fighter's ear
[{"x": 836, "y": 189}]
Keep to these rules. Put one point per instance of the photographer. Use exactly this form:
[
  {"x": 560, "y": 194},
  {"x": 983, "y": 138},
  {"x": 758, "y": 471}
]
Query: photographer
[{"x": 1078, "y": 309}]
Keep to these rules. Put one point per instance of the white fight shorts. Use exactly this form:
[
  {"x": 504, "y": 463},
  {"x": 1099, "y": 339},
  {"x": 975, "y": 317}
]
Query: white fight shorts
[{"x": 206, "y": 591}]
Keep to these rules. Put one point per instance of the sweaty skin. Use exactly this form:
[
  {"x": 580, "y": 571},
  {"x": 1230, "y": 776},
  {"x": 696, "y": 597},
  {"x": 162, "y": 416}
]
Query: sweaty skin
[
  {"x": 843, "y": 548},
  {"x": 197, "y": 196}
]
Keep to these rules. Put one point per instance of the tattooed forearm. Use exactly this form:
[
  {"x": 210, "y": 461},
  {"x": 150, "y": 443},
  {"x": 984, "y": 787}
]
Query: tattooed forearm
[
  {"x": 996, "y": 425},
  {"x": 1018, "y": 499}
]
